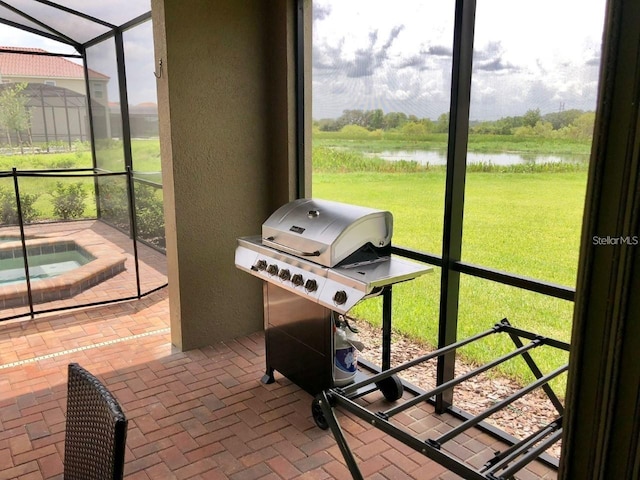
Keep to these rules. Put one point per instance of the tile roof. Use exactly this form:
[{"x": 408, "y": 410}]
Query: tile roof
[{"x": 41, "y": 65}]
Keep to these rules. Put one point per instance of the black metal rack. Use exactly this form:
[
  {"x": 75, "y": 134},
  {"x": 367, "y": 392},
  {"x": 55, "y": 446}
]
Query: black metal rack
[{"x": 505, "y": 464}]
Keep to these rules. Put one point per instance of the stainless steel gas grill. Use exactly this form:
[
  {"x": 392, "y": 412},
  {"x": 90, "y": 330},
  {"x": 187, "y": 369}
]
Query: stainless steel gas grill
[{"x": 318, "y": 259}]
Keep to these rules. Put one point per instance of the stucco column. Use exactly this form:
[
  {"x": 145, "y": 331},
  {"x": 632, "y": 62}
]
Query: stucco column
[{"x": 228, "y": 157}]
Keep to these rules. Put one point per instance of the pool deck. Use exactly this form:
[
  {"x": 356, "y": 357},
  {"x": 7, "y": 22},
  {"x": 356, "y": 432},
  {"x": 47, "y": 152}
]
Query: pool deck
[{"x": 200, "y": 414}]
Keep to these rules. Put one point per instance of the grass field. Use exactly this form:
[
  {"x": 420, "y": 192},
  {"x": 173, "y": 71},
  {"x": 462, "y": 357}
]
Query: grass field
[
  {"x": 438, "y": 141},
  {"x": 517, "y": 220},
  {"x": 146, "y": 161}
]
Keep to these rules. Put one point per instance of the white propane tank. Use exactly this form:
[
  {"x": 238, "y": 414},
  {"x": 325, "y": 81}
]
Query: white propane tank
[{"x": 345, "y": 356}]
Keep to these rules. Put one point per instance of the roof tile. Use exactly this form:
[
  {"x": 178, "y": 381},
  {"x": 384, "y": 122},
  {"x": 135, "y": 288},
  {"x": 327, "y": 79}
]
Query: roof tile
[{"x": 17, "y": 64}]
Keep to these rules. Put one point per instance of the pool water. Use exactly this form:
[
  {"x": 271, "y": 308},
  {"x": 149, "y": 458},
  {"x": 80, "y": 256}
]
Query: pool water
[
  {"x": 6, "y": 239},
  {"x": 41, "y": 266}
]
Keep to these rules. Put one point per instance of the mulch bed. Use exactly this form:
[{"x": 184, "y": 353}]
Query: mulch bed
[{"x": 519, "y": 419}]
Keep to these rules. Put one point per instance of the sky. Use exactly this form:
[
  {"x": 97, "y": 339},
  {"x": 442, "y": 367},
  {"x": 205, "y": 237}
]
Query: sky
[
  {"x": 397, "y": 56},
  {"x": 138, "y": 42}
]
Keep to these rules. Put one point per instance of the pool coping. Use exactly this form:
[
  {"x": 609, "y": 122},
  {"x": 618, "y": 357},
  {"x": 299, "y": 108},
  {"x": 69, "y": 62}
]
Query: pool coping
[{"x": 106, "y": 264}]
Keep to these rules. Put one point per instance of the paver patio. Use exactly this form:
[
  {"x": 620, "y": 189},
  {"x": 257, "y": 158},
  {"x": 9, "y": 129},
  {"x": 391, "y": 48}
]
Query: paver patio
[{"x": 200, "y": 414}]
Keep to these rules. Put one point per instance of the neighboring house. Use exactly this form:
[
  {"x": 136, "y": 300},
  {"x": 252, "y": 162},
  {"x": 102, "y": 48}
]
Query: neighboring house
[
  {"x": 143, "y": 120},
  {"x": 65, "y": 80},
  {"x": 39, "y": 67}
]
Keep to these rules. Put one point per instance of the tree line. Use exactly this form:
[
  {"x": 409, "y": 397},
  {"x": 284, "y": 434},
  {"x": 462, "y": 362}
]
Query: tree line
[{"x": 574, "y": 123}]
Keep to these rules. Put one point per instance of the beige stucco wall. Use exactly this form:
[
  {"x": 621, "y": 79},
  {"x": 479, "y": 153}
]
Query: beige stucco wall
[{"x": 226, "y": 129}]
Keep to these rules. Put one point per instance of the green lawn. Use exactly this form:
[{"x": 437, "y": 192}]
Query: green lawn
[
  {"x": 524, "y": 223},
  {"x": 146, "y": 161},
  {"x": 377, "y": 141}
]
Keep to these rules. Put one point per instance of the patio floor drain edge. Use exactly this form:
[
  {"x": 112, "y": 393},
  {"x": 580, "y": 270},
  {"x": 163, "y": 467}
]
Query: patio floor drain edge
[{"x": 86, "y": 347}]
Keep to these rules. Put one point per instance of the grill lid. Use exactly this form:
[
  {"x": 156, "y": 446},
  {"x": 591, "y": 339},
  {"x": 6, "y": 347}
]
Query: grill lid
[{"x": 327, "y": 232}]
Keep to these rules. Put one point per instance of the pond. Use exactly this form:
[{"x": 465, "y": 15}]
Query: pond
[{"x": 437, "y": 157}]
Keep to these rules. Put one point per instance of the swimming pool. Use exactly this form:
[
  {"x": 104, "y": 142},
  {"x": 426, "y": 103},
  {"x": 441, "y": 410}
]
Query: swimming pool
[
  {"x": 59, "y": 268},
  {"x": 41, "y": 266},
  {"x": 9, "y": 238}
]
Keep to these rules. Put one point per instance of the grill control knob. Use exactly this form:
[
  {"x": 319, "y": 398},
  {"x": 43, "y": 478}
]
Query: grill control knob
[
  {"x": 272, "y": 269},
  {"x": 284, "y": 275},
  {"x": 261, "y": 265},
  {"x": 297, "y": 280},
  {"x": 311, "y": 285},
  {"x": 340, "y": 297}
]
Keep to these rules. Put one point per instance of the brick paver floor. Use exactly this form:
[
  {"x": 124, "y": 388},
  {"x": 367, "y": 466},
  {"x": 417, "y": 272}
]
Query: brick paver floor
[{"x": 201, "y": 414}]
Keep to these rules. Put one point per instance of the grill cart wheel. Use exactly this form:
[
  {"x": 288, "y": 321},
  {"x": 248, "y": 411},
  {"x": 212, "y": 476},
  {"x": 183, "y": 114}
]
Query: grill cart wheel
[
  {"x": 318, "y": 415},
  {"x": 391, "y": 387}
]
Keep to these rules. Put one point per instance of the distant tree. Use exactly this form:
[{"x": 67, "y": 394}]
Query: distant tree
[
  {"x": 584, "y": 125},
  {"x": 532, "y": 117},
  {"x": 353, "y": 117},
  {"x": 562, "y": 119},
  {"x": 14, "y": 114},
  {"x": 328, "y": 125},
  {"x": 394, "y": 120},
  {"x": 428, "y": 124},
  {"x": 442, "y": 124},
  {"x": 375, "y": 119}
]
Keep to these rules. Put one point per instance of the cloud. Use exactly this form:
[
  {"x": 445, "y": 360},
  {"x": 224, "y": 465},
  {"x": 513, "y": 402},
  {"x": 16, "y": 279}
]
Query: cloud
[
  {"x": 593, "y": 62},
  {"x": 440, "y": 51},
  {"x": 327, "y": 57},
  {"x": 491, "y": 59},
  {"x": 496, "y": 65},
  {"x": 320, "y": 12},
  {"x": 364, "y": 62},
  {"x": 368, "y": 56},
  {"x": 415, "y": 61},
  {"x": 427, "y": 59}
]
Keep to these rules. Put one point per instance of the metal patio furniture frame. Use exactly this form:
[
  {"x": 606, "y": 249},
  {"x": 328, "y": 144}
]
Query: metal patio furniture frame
[{"x": 505, "y": 463}]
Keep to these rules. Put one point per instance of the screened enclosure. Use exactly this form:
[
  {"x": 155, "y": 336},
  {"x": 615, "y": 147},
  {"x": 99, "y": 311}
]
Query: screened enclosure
[{"x": 81, "y": 205}]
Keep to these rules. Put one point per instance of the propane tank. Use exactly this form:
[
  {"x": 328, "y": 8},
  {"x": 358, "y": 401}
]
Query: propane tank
[{"x": 345, "y": 355}]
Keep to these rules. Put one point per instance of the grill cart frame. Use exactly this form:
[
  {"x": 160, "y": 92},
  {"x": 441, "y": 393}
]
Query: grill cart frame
[{"x": 505, "y": 463}]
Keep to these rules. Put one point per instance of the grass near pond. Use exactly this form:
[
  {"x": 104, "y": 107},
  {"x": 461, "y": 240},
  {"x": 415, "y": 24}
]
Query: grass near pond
[
  {"x": 378, "y": 141},
  {"x": 519, "y": 221}
]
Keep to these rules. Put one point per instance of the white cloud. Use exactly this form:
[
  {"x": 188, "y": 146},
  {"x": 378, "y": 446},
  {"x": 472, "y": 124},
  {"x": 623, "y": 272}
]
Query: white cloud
[{"x": 527, "y": 56}]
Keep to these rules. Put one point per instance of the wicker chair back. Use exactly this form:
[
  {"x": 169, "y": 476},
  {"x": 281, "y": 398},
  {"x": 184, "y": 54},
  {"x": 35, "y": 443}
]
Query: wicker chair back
[{"x": 96, "y": 430}]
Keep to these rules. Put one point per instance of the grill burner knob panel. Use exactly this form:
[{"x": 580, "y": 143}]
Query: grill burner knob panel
[
  {"x": 284, "y": 275},
  {"x": 261, "y": 265},
  {"x": 311, "y": 286},
  {"x": 317, "y": 284},
  {"x": 340, "y": 297}
]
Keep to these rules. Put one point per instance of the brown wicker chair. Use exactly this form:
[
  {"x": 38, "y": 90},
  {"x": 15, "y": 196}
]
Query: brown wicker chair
[{"x": 96, "y": 430}]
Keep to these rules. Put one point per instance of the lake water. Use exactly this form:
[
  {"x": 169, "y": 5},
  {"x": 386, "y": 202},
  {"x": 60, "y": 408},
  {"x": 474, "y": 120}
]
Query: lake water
[{"x": 434, "y": 157}]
